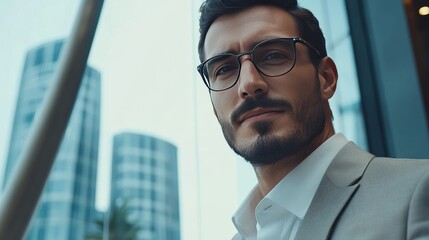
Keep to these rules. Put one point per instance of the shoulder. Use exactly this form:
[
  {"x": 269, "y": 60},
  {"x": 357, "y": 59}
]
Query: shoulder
[
  {"x": 391, "y": 192},
  {"x": 402, "y": 166},
  {"x": 402, "y": 161},
  {"x": 396, "y": 172}
]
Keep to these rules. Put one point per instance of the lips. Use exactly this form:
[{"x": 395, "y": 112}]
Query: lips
[
  {"x": 257, "y": 108},
  {"x": 257, "y": 112}
]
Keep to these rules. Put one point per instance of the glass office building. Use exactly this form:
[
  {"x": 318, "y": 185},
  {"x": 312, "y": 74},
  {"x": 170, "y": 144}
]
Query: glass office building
[
  {"x": 66, "y": 208},
  {"x": 144, "y": 176}
]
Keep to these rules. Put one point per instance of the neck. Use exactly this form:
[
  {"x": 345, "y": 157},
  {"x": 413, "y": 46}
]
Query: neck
[{"x": 270, "y": 175}]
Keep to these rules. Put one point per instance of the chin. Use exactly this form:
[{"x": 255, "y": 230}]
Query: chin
[{"x": 266, "y": 149}]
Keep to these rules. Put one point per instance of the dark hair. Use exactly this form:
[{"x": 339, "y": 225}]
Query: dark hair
[{"x": 307, "y": 23}]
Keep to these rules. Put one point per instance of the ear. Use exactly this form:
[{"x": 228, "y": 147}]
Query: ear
[{"x": 328, "y": 77}]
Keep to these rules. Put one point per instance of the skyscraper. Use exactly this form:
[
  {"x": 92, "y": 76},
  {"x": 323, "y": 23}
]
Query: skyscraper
[
  {"x": 144, "y": 176},
  {"x": 67, "y": 205}
]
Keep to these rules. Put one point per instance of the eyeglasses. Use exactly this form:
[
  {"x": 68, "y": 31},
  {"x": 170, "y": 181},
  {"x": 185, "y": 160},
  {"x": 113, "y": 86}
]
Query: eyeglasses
[{"x": 272, "y": 58}]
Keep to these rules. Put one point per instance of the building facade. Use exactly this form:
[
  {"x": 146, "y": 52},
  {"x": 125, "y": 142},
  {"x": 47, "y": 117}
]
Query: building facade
[
  {"x": 66, "y": 208},
  {"x": 144, "y": 176}
]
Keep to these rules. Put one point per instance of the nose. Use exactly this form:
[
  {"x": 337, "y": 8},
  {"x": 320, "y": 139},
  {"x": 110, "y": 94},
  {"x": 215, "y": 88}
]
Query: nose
[{"x": 251, "y": 83}]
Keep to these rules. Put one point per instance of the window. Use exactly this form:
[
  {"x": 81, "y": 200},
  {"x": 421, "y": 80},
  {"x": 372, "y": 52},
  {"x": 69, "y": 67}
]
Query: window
[{"x": 39, "y": 56}]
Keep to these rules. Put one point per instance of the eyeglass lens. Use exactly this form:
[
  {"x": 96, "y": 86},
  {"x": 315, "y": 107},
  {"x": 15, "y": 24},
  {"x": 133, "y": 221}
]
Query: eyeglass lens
[{"x": 272, "y": 58}]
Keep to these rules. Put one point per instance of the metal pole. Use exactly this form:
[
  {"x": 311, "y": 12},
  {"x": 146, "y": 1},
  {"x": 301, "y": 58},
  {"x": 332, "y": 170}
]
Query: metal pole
[{"x": 32, "y": 170}]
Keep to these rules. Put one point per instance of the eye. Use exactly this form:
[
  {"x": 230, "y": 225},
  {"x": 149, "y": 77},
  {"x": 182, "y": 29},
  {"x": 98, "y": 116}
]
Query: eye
[
  {"x": 224, "y": 69},
  {"x": 273, "y": 56}
]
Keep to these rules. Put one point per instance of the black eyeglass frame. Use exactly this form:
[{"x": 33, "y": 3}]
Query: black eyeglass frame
[{"x": 200, "y": 68}]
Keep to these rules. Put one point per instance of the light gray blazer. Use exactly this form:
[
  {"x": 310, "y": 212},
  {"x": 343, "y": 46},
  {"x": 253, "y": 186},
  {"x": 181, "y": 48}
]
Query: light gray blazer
[{"x": 362, "y": 197}]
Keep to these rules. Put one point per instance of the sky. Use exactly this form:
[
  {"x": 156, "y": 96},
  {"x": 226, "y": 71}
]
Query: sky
[{"x": 146, "y": 53}]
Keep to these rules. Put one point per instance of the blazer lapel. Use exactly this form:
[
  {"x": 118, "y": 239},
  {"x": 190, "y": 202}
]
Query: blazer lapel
[{"x": 339, "y": 183}]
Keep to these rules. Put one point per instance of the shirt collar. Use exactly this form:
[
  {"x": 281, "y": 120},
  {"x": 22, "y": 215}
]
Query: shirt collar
[
  {"x": 244, "y": 218},
  {"x": 296, "y": 191},
  {"x": 301, "y": 183}
]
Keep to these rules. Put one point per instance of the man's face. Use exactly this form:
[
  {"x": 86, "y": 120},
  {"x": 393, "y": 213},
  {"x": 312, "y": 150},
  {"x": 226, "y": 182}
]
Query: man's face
[{"x": 265, "y": 119}]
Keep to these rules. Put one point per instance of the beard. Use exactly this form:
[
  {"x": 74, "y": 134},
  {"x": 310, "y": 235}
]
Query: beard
[{"x": 309, "y": 120}]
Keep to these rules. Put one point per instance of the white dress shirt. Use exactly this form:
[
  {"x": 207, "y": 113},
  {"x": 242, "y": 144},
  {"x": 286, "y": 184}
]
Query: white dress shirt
[{"x": 279, "y": 214}]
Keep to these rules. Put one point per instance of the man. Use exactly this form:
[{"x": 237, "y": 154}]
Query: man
[{"x": 269, "y": 81}]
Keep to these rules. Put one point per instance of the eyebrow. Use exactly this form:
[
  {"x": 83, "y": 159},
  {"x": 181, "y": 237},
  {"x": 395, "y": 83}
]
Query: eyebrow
[{"x": 249, "y": 46}]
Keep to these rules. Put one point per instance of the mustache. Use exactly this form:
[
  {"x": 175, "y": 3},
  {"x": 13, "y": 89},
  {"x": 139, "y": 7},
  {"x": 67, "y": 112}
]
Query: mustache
[{"x": 251, "y": 103}]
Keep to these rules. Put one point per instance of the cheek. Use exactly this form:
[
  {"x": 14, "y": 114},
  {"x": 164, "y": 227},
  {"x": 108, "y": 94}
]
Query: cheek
[{"x": 222, "y": 105}]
